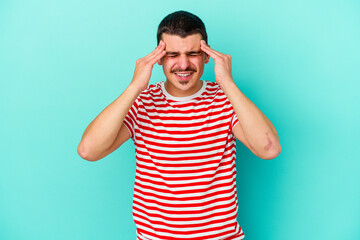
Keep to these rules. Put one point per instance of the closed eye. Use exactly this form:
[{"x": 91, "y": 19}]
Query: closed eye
[
  {"x": 194, "y": 54},
  {"x": 190, "y": 54},
  {"x": 171, "y": 54}
]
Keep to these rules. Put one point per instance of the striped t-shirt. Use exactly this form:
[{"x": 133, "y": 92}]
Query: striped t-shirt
[{"x": 185, "y": 182}]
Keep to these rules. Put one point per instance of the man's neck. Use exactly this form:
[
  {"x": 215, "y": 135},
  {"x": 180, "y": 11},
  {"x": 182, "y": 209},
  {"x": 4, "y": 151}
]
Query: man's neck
[{"x": 175, "y": 92}]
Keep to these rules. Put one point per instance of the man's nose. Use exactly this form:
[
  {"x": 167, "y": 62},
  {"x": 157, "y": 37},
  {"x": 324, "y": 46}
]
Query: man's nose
[{"x": 183, "y": 62}]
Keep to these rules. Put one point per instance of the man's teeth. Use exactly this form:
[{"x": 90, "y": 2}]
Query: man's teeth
[{"x": 183, "y": 75}]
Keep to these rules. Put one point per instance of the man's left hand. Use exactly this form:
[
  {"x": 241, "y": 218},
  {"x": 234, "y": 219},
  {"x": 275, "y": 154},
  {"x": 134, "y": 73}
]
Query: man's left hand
[{"x": 222, "y": 63}]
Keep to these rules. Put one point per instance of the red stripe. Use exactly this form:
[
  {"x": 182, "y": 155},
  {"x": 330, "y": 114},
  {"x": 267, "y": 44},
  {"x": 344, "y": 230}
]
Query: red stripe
[
  {"x": 184, "y": 138},
  {"x": 159, "y": 193},
  {"x": 188, "y": 225},
  {"x": 176, "y": 205},
  {"x": 206, "y": 107},
  {"x": 183, "y": 145},
  {"x": 194, "y": 169},
  {"x": 186, "y": 117},
  {"x": 157, "y": 103},
  {"x": 174, "y": 191},
  {"x": 185, "y": 164},
  {"x": 189, "y": 177},
  {"x": 218, "y": 154},
  {"x": 210, "y": 230},
  {"x": 141, "y": 120}
]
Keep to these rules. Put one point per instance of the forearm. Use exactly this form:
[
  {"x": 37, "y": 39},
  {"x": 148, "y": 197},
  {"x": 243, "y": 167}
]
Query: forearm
[
  {"x": 259, "y": 132},
  {"x": 102, "y": 131}
]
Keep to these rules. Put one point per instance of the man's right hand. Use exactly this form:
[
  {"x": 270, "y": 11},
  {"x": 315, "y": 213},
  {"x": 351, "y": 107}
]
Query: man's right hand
[{"x": 144, "y": 67}]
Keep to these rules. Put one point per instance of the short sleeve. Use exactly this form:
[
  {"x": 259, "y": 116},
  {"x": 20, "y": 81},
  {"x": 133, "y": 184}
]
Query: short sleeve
[
  {"x": 131, "y": 117},
  {"x": 234, "y": 120}
]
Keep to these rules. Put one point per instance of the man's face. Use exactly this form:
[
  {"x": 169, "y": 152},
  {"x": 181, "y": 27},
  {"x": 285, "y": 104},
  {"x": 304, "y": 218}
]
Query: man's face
[{"x": 183, "y": 64}]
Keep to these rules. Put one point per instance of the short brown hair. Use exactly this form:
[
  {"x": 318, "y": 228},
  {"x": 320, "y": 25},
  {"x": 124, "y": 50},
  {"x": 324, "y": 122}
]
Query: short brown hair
[{"x": 183, "y": 24}]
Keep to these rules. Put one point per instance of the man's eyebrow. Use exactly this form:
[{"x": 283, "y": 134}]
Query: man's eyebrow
[
  {"x": 190, "y": 52},
  {"x": 172, "y": 53},
  {"x": 194, "y": 52}
]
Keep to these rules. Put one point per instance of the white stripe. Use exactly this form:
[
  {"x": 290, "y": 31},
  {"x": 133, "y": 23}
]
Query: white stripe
[
  {"x": 178, "y": 156},
  {"x": 151, "y": 144},
  {"x": 179, "y": 168},
  {"x": 187, "y": 236},
  {"x": 189, "y": 222},
  {"x": 181, "y": 137},
  {"x": 180, "y": 210},
  {"x": 185, "y": 229},
  {"x": 200, "y": 195},
  {"x": 193, "y": 174},
  {"x": 182, "y": 162},
  {"x": 184, "y": 129},
  {"x": 176, "y": 190},
  {"x": 200, "y": 104},
  {"x": 215, "y": 106}
]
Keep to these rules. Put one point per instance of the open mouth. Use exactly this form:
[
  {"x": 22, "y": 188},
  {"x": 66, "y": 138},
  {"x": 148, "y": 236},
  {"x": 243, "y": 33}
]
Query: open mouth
[{"x": 184, "y": 76}]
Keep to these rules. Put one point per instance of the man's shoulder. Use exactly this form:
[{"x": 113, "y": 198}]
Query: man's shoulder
[
  {"x": 152, "y": 89},
  {"x": 212, "y": 85},
  {"x": 212, "y": 88}
]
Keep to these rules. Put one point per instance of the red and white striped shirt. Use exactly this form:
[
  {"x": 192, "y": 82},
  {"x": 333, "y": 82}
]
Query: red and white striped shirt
[{"x": 185, "y": 182}]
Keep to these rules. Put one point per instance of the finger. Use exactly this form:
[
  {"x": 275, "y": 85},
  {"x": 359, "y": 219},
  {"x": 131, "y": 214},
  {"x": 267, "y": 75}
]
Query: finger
[
  {"x": 157, "y": 57},
  {"x": 160, "y": 51},
  {"x": 203, "y": 43},
  {"x": 156, "y": 51},
  {"x": 161, "y": 42},
  {"x": 210, "y": 53},
  {"x": 160, "y": 45},
  {"x": 209, "y": 50}
]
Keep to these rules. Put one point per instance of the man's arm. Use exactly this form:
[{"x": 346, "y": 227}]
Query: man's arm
[
  {"x": 255, "y": 130},
  {"x": 107, "y": 131}
]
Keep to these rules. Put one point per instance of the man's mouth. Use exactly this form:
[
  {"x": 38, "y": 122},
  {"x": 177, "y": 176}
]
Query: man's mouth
[{"x": 183, "y": 76}]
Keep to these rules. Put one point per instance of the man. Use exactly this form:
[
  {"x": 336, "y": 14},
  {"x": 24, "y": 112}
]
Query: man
[{"x": 184, "y": 130}]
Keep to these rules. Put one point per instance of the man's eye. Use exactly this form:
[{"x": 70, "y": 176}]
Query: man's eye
[{"x": 194, "y": 54}]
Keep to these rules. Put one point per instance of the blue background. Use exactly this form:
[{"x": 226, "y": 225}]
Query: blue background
[{"x": 63, "y": 62}]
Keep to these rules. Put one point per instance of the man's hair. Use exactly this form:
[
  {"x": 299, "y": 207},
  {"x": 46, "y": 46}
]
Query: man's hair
[{"x": 183, "y": 24}]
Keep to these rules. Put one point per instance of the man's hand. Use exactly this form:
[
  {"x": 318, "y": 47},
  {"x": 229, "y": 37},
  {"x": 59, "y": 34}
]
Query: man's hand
[
  {"x": 144, "y": 67},
  {"x": 222, "y": 63}
]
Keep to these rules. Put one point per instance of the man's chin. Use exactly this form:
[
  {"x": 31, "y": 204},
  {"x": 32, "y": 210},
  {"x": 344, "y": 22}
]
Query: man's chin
[{"x": 184, "y": 83}]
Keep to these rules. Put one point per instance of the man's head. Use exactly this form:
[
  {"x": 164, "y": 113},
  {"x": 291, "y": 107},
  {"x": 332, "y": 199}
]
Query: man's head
[
  {"x": 183, "y": 24},
  {"x": 183, "y": 63}
]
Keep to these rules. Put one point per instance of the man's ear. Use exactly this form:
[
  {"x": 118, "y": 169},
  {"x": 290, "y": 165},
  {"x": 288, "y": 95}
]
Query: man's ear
[
  {"x": 207, "y": 58},
  {"x": 160, "y": 61}
]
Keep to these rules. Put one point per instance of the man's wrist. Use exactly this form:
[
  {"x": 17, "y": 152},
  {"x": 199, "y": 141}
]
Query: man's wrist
[
  {"x": 227, "y": 83},
  {"x": 133, "y": 88}
]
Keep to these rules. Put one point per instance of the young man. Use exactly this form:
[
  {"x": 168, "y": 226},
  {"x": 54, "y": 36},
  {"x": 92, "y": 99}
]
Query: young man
[{"x": 184, "y": 130}]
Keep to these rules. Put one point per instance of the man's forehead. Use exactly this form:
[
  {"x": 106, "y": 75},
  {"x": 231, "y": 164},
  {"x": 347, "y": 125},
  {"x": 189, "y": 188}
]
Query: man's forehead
[{"x": 176, "y": 43}]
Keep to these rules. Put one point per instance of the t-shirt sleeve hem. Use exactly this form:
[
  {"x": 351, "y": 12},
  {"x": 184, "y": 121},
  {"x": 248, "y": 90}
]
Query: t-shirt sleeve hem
[
  {"x": 235, "y": 124},
  {"x": 129, "y": 129}
]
